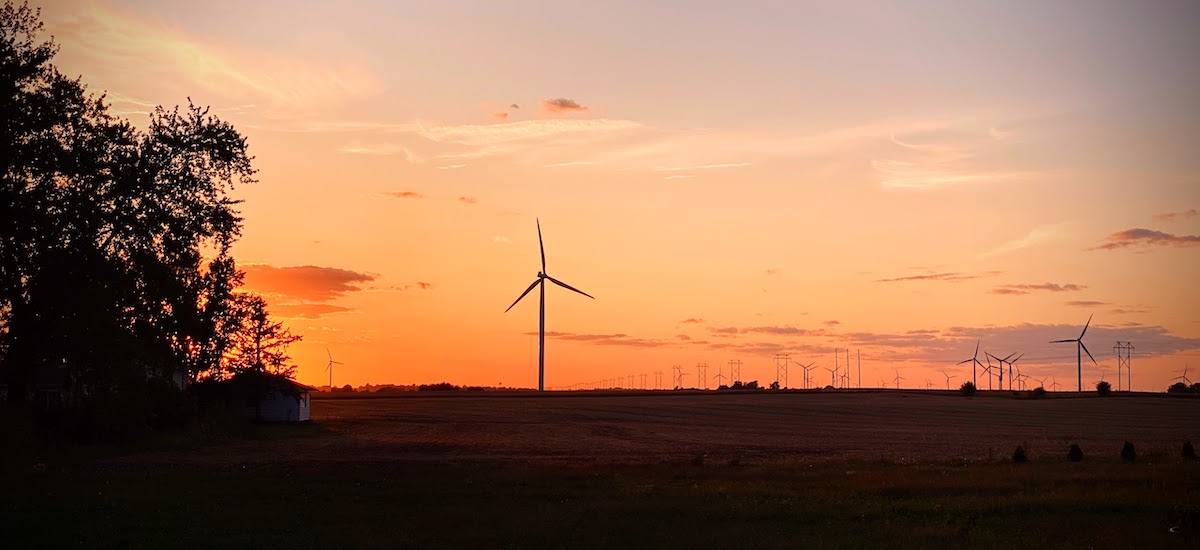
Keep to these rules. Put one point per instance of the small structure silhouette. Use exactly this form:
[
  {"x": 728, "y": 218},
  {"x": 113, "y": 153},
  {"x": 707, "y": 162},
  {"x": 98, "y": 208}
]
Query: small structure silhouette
[
  {"x": 1019, "y": 456},
  {"x": 1075, "y": 454},
  {"x": 1189, "y": 452},
  {"x": 1128, "y": 454}
]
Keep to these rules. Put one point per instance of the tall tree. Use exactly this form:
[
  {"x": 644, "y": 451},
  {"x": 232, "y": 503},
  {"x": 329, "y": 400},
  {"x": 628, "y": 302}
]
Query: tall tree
[
  {"x": 114, "y": 242},
  {"x": 261, "y": 345}
]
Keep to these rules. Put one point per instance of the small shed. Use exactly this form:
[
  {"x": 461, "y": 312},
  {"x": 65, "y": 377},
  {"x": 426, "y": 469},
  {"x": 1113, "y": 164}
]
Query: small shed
[{"x": 259, "y": 396}]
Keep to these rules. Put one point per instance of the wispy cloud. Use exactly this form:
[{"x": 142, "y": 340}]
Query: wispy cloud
[
  {"x": 1028, "y": 288},
  {"x": 115, "y": 42},
  {"x": 944, "y": 159},
  {"x": 405, "y": 195},
  {"x": 1035, "y": 236},
  {"x": 561, "y": 105},
  {"x": 606, "y": 339},
  {"x": 451, "y": 167},
  {"x": 467, "y": 200},
  {"x": 501, "y": 239},
  {"x": 572, "y": 163},
  {"x": 1085, "y": 303},
  {"x": 1146, "y": 238},
  {"x": 701, "y": 167},
  {"x": 952, "y": 277},
  {"x": 679, "y": 176},
  {"x": 306, "y": 310},
  {"x": 692, "y": 321},
  {"x": 382, "y": 149},
  {"x": 1172, "y": 216}
]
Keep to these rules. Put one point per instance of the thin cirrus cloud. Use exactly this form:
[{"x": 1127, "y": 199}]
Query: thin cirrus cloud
[
  {"x": 617, "y": 339},
  {"x": 1035, "y": 236},
  {"x": 1146, "y": 238},
  {"x": 944, "y": 158},
  {"x": 1086, "y": 303},
  {"x": 1172, "y": 216},
  {"x": 307, "y": 311},
  {"x": 110, "y": 41},
  {"x": 467, "y": 200},
  {"x": 1042, "y": 287},
  {"x": 404, "y": 195},
  {"x": 307, "y": 282},
  {"x": 562, "y": 105},
  {"x": 949, "y": 277},
  {"x": 381, "y": 149}
]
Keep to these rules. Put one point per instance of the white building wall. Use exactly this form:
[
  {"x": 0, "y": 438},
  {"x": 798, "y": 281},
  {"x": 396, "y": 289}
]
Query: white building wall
[{"x": 277, "y": 407}]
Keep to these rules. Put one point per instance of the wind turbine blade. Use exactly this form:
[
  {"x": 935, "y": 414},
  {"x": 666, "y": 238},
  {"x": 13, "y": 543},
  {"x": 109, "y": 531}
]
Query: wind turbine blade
[
  {"x": 1063, "y": 341},
  {"x": 1006, "y": 359},
  {"x": 1017, "y": 359},
  {"x": 977, "y": 348},
  {"x": 569, "y": 287},
  {"x": 540, "y": 246},
  {"x": 1085, "y": 327},
  {"x": 329, "y": 354},
  {"x": 535, "y": 283},
  {"x": 1085, "y": 350},
  {"x": 966, "y": 360}
]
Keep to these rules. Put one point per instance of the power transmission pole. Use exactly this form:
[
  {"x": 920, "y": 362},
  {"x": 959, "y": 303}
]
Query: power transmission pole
[
  {"x": 702, "y": 375},
  {"x": 781, "y": 369},
  {"x": 735, "y": 371},
  {"x": 1124, "y": 351},
  {"x": 859, "y": 352}
]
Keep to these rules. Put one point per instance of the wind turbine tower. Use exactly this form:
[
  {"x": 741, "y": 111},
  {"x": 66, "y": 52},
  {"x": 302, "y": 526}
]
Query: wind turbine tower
[
  {"x": 678, "y": 376},
  {"x": 329, "y": 368},
  {"x": 975, "y": 365},
  {"x": 540, "y": 281},
  {"x": 1079, "y": 351}
]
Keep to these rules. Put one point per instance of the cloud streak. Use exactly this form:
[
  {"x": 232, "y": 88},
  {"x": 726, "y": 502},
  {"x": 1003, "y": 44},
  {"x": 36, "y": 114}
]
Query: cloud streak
[
  {"x": 948, "y": 277},
  {"x": 1043, "y": 287},
  {"x": 1146, "y": 238},
  {"x": 1172, "y": 216}
]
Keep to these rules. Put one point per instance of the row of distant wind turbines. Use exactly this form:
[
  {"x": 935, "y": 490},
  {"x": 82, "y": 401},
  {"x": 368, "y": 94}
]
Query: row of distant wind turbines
[{"x": 977, "y": 366}]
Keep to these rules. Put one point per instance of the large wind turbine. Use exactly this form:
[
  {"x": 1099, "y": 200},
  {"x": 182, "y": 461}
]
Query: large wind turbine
[
  {"x": 542, "y": 277},
  {"x": 975, "y": 364},
  {"x": 1078, "y": 353}
]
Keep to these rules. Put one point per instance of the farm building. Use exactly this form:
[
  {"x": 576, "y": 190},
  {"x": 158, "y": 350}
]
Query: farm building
[{"x": 258, "y": 396}]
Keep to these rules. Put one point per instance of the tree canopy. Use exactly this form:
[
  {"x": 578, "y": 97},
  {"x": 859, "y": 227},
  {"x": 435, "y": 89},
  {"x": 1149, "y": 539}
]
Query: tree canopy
[{"x": 114, "y": 241}]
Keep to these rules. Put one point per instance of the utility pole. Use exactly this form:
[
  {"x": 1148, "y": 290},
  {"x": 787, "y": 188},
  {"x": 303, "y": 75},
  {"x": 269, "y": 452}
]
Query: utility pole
[
  {"x": 781, "y": 369},
  {"x": 848, "y": 383},
  {"x": 735, "y": 371},
  {"x": 859, "y": 352},
  {"x": 1124, "y": 351},
  {"x": 702, "y": 375}
]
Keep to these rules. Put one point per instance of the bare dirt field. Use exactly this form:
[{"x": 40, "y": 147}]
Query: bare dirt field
[{"x": 651, "y": 428}]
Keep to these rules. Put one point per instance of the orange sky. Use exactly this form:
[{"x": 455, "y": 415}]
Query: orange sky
[{"x": 729, "y": 183}]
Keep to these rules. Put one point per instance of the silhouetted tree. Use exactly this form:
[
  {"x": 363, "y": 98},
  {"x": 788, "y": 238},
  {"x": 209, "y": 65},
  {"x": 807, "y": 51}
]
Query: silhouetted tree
[
  {"x": 967, "y": 389},
  {"x": 1188, "y": 452},
  {"x": 774, "y": 385},
  {"x": 751, "y": 385},
  {"x": 114, "y": 242},
  {"x": 737, "y": 385},
  {"x": 259, "y": 345},
  {"x": 1019, "y": 456},
  {"x": 1103, "y": 387},
  {"x": 1075, "y": 454},
  {"x": 1179, "y": 387},
  {"x": 1039, "y": 392}
]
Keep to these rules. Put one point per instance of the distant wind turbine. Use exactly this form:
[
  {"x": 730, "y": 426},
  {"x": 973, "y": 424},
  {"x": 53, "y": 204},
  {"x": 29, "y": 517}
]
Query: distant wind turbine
[
  {"x": 329, "y": 368},
  {"x": 899, "y": 378},
  {"x": 1184, "y": 378},
  {"x": 542, "y": 277},
  {"x": 1079, "y": 349},
  {"x": 948, "y": 377}
]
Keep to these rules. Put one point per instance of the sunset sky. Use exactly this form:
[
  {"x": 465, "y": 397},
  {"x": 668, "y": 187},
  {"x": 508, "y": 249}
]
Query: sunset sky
[{"x": 729, "y": 180}]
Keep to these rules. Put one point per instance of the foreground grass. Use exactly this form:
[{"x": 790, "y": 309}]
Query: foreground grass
[{"x": 1095, "y": 504}]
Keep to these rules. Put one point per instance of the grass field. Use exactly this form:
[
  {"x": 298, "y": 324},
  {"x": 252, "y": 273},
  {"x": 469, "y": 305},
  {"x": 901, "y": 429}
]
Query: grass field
[{"x": 831, "y": 470}]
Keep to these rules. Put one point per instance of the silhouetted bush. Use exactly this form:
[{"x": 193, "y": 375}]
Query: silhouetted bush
[
  {"x": 751, "y": 385},
  {"x": 344, "y": 389},
  {"x": 722, "y": 387},
  {"x": 1179, "y": 387},
  {"x": 737, "y": 385},
  {"x": 1039, "y": 392},
  {"x": 1103, "y": 387},
  {"x": 1128, "y": 454},
  {"x": 1075, "y": 454},
  {"x": 967, "y": 389},
  {"x": 440, "y": 386},
  {"x": 1189, "y": 452},
  {"x": 1019, "y": 456},
  {"x": 775, "y": 385}
]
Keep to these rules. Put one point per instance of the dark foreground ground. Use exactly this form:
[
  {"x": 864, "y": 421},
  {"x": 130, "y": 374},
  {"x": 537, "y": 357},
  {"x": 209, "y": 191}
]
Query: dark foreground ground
[{"x": 829, "y": 471}]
